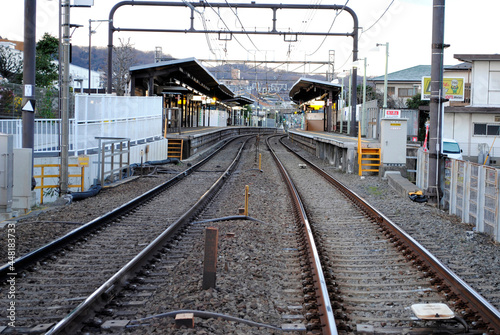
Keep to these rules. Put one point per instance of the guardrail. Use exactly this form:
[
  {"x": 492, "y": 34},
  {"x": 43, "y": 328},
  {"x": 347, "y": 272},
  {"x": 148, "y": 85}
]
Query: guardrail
[
  {"x": 471, "y": 191},
  {"x": 42, "y": 176}
]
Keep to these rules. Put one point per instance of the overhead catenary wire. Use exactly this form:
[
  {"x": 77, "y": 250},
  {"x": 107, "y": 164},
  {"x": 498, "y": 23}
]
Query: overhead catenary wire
[
  {"x": 203, "y": 22},
  {"x": 374, "y": 23},
  {"x": 365, "y": 30},
  {"x": 306, "y": 22},
  {"x": 242, "y": 26},
  {"x": 330, "y": 29},
  {"x": 224, "y": 22}
]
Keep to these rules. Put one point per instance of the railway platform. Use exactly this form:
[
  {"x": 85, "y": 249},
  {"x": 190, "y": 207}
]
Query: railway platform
[
  {"x": 339, "y": 149},
  {"x": 192, "y": 141}
]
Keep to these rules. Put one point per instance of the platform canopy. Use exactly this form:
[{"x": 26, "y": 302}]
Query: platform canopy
[
  {"x": 239, "y": 101},
  {"x": 169, "y": 77},
  {"x": 306, "y": 89}
]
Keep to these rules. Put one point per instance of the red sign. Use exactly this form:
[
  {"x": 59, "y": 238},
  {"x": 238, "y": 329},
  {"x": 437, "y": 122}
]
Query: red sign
[{"x": 392, "y": 113}]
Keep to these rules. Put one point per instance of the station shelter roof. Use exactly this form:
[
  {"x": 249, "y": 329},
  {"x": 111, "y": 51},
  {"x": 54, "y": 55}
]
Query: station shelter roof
[
  {"x": 306, "y": 89},
  {"x": 239, "y": 100},
  {"x": 167, "y": 75}
]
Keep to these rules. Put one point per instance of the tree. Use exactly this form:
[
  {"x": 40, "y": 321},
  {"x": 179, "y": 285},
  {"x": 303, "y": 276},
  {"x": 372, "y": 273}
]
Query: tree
[
  {"x": 371, "y": 94},
  {"x": 11, "y": 65},
  {"x": 123, "y": 58},
  {"x": 47, "y": 51},
  {"x": 415, "y": 102}
]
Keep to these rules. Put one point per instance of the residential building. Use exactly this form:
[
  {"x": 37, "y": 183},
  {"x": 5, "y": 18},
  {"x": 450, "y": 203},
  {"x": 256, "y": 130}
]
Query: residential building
[
  {"x": 403, "y": 84},
  {"x": 476, "y": 125},
  {"x": 78, "y": 75}
]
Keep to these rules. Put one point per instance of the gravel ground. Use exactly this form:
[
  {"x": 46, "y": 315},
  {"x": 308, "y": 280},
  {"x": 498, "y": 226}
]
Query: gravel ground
[
  {"x": 45, "y": 224},
  {"x": 477, "y": 255},
  {"x": 250, "y": 284},
  {"x": 476, "y": 259}
]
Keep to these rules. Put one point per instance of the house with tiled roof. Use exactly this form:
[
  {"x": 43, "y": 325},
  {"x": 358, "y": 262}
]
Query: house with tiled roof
[{"x": 403, "y": 84}]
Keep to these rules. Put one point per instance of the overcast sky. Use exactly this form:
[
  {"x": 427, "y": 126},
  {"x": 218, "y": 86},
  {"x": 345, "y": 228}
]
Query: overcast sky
[{"x": 470, "y": 28}]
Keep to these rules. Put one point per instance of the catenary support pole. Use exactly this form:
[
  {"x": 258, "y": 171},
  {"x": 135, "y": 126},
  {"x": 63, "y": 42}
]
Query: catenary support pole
[
  {"x": 433, "y": 191},
  {"x": 29, "y": 65},
  {"x": 63, "y": 183}
]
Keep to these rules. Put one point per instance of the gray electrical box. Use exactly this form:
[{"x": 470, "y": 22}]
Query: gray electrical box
[
  {"x": 393, "y": 133},
  {"x": 6, "y": 172},
  {"x": 23, "y": 198}
]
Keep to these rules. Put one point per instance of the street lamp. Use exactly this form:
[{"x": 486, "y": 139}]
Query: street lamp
[
  {"x": 363, "y": 110},
  {"x": 386, "y": 65},
  {"x": 90, "y": 46},
  {"x": 350, "y": 104}
]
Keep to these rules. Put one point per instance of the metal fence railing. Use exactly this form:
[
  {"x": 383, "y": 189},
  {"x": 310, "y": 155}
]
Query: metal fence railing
[{"x": 471, "y": 191}]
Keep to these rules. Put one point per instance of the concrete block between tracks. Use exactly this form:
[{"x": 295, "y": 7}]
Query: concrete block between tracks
[
  {"x": 184, "y": 319},
  {"x": 400, "y": 184}
]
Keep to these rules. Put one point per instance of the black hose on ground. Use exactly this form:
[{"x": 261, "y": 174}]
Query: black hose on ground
[{"x": 92, "y": 191}]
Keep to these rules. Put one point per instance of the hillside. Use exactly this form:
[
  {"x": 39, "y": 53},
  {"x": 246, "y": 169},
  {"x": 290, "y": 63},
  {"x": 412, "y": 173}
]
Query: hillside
[
  {"x": 259, "y": 82},
  {"x": 80, "y": 57}
]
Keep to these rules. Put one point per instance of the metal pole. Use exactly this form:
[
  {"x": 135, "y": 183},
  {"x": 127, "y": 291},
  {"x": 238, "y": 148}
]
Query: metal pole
[
  {"x": 90, "y": 50},
  {"x": 65, "y": 99},
  {"x": 29, "y": 64},
  {"x": 343, "y": 105},
  {"x": 109, "y": 78},
  {"x": 385, "y": 76},
  {"x": 351, "y": 114},
  {"x": 435, "y": 101},
  {"x": 354, "y": 77},
  {"x": 363, "y": 112}
]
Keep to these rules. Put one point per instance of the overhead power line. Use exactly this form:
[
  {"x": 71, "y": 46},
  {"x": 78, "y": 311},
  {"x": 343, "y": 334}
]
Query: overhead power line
[{"x": 330, "y": 29}]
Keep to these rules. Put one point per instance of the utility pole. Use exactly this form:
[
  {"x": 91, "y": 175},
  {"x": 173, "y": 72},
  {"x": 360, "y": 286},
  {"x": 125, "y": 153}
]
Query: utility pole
[
  {"x": 354, "y": 84},
  {"x": 433, "y": 192},
  {"x": 29, "y": 64},
  {"x": 90, "y": 52},
  {"x": 63, "y": 184}
]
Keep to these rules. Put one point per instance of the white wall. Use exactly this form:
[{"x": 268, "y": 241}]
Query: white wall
[
  {"x": 460, "y": 126},
  {"x": 486, "y": 83},
  {"x": 104, "y": 115}
]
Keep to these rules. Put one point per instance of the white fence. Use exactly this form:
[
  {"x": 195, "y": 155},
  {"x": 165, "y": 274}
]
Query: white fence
[
  {"x": 97, "y": 115},
  {"x": 46, "y": 133},
  {"x": 471, "y": 191}
]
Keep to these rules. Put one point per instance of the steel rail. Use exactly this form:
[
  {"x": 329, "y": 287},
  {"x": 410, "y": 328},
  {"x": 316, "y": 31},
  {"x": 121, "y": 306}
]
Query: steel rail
[
  {"x": 25, "y": 261},
  {"x": 327, "y": 318},
  {"x": 115, "y": 284},
  {"x": 464, "y": 291}
]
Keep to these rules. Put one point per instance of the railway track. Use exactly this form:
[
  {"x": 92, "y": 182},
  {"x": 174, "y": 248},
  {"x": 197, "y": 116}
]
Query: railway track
[
  {"x": 364, "y": 277},
  {"x": 378, "y": 271},
  {"x": 267, "y": 296},
  {"x": 60, "y": 276}
]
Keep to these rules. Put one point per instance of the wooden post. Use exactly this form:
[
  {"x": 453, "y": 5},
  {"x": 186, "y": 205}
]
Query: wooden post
[
  {"x": 246, "y": 200},
  {"x": 210, "y": 260}
]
